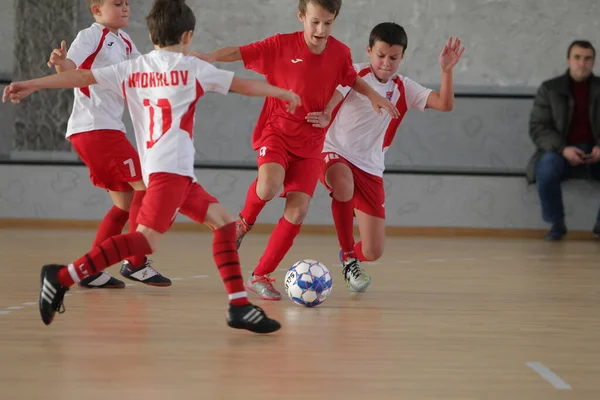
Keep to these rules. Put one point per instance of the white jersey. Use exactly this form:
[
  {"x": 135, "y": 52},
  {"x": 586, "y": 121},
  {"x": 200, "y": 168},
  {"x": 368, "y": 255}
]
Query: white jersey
[
  {"x": 161, "y": 89},
  {"x": 362, "y": 136},
  {"x": 95, "y": 107}
]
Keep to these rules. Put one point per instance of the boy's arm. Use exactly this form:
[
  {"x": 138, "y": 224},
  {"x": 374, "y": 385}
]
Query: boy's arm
[
  {"x": 254, "y": 88},
  {"x": 378, "y": 102},
  {"x": 449, "y": 57},
  {"x": 17, "y": 91},
  {"x": 225, "y": 54},
  {"x": 321, "y": 119}
]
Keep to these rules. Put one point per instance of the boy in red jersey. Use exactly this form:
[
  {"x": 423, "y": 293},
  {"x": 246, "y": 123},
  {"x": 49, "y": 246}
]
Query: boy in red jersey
[
  {"x": 356, "y": 143},
  {"x": 162, "y": 89},
  {"x": 312, "y": 64},
  {"x": 97, "y": 134}
]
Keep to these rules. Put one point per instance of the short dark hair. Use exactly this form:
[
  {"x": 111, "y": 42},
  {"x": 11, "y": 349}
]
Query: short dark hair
[
  {"x": 168, "y": 20},
  {"x": 333, "y": 6},
  {"x": 584, "y": 44},
  {"x": 390, "y": 33}
]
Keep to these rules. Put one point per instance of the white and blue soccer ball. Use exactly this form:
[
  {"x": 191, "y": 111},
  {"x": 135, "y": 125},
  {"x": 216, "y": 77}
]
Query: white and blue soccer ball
[{"x": 308, "y": 283}]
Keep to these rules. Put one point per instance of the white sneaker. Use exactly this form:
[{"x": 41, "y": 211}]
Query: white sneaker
[{"x": 356, "y": 278}]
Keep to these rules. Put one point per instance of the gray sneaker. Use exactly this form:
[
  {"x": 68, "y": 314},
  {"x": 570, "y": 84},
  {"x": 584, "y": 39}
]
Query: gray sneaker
[
  {"x": 356, "y": 278},
  {"x": 262, "y": 285}
]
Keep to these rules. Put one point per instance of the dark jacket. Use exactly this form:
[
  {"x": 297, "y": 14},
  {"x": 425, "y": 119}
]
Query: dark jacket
[{"x": 550, "y": 118}]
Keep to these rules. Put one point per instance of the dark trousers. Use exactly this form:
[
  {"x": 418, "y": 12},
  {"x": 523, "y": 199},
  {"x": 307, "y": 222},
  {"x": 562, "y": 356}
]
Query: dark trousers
[{"x": 550, "y": 172}]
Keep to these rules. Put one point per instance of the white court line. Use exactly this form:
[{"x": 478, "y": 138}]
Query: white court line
[
  {"x": 200, "y": 276},
  {"x": 176, "y": 279},
  {"x": 4, "y": 312},
  {"x": 31, "y": 303},
  {"x": 68, "y": 294},
  {"x": 15, "y": 308},
  {"x": 548, "y": 375}
]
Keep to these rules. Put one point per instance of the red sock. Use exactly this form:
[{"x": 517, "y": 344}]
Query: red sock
[
  {"x": 280, "y": 242},
  {"x": 359, "y": 253},
  {"x": 228, "y": 261},
  {"x": 343, "y": 218},
  {"x": 137, "y": 260},
  {"x": 253, "y": 205},
  {"x": 107, "y": 253},
  {"x": 112, "y": 225}
]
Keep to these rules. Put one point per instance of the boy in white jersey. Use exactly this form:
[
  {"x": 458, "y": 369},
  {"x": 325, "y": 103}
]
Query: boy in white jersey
[
  {"x": 356, "y": 142},
  {"x": 97, "y": 133},
  {"x": 161, "y": 89}
]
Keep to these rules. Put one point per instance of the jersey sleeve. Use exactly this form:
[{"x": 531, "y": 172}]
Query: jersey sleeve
[
  {"x": 82, "y": 47},
  {"x": 112, "y": 77},
  {"x": 213, "y": 79},
  {"x": 261, "y": 56},
  {"x": 344, "y": 90},
  {"x": 348, "y": 72},
  {"x": 416, "y": 95}
]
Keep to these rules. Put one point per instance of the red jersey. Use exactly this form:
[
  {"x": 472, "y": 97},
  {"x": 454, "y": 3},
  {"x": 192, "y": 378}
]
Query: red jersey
[{"x": 286, "y": 61}]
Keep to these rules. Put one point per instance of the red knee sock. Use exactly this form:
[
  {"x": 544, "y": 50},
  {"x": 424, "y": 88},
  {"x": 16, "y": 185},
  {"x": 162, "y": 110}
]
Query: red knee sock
[
  {"x": 343, "y": 218},
  {"x": 359, "y": 252},
  {"x": 136, "y": 260},
  {"x": 253, "y": 205},
  {"x": 112, "y": 224},
  {"x": 280, "y": 242},
  {"x": 107, "y": 253},
  {"x": 227, "y": 259}
]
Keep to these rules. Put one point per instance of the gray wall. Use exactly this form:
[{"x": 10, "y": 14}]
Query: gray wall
[{"x": 412, "y": 200}]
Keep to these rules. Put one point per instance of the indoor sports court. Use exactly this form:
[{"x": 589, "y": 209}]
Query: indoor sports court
[{"x": 452, "y": 318}]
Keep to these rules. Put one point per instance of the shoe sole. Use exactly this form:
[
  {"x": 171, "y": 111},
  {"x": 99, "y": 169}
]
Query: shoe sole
[
  {"x": 249, "y": 328},
  {"x": 122, "y": 286},
  {"x": 249, "y": 288},
  {"x": 157, "y": 284}
]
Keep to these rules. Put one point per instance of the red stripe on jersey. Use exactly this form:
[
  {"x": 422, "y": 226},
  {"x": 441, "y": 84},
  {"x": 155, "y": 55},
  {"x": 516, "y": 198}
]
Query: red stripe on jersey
[
  {"x": 364, "y": 72},
  {"x": 128, "y": 43},
  {"x": 187, "y": 121},
  {"x": 87, "y": 64},
  {"x": 395, "y": 123}
]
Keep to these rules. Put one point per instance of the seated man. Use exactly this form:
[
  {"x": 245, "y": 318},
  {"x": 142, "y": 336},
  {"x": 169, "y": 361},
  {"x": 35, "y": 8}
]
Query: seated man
[{"x": 565, "y": 127}]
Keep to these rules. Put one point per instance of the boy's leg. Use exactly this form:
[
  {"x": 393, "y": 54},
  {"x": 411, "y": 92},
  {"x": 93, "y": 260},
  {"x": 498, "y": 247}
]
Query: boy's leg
[
  {"x": 272, "y": 163},
  {"x": 339, "y": 180},
  {"x": 300, "y": 183},
  {"x": 204, "y": 208},
  {"x": 138, "y": 267},
  {"x": 166, "y": 193}
]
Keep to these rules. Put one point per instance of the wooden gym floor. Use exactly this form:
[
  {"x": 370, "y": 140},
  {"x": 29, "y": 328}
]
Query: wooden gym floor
[{"x": 456, "y": 318}]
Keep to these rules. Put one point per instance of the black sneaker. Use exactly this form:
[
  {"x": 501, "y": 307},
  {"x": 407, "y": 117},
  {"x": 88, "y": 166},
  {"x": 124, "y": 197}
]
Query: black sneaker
[
  {"x": 252, "y": 318},
  {"x": 557, "y": 232},
  {"x": 52, "y": 293},
  {"x": 101, "y": 281},
  {"x": 144, "y": 274},
  {"x": 596, "y": 230}
]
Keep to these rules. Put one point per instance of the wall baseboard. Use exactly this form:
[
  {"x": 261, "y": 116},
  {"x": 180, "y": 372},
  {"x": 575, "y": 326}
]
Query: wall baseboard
[{"x": 412, "y": 231}]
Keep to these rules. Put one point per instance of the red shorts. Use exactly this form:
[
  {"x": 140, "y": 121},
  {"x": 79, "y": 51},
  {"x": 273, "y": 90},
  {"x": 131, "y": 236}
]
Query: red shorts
[
  {"x": 169, "y": 194},
  {"x": 369, "y": 193},
  {"x": 301, "y": 174},
  {"x": 110, "y": 157}
]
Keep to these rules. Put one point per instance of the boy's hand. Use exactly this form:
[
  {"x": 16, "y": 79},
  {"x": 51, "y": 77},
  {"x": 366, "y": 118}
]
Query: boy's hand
[
  {"x": 58, "y": 56},
  {"x": 292, "y": 99},
  {"x": 17, "y": 91},
  {"x": 380, "y": 103},
  {"x": 451, "y": 54},
  {"x": 320, "y": 119},
  {"x": 208, "y": 57}
]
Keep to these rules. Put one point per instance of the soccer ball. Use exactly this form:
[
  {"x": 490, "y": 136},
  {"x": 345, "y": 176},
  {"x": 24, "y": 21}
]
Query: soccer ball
[{"x": 308, "y": 283}]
